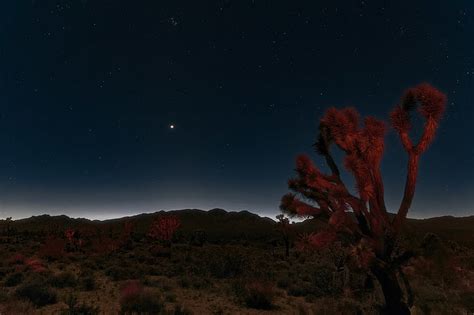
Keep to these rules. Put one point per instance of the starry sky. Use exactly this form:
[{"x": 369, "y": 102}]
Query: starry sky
[{"x": 90, "y": 91}]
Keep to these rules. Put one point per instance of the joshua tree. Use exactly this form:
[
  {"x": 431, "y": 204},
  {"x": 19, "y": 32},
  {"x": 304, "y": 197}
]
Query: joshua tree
[
  {"x": 284, "y": 228},
  {"x": 7, "y": 225},
  {"x": 164, "y": 228},
  {"x": 126, "y": 234},
  {"x": 362, "y": 219}
]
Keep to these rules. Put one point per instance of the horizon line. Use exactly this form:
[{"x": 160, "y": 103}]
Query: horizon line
[{"x": 102, "y": 218}]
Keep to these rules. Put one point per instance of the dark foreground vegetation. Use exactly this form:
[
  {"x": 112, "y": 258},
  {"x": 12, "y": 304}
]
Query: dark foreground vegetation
[{"x": 119, "y": 267}]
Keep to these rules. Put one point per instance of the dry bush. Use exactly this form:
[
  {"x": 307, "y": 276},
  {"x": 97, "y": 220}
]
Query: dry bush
[
  {"x": 15, "y": 307},
  {"x": 64, "y": 279},
  {"x": 255, "y": 294},
  {"x": 135, "y": 299},
  {"x": 52, "y": 249},
  {"x": 78, "y": 309},
  {"x": 14, "y": 279},
  {"x": 37, "y": 292}
]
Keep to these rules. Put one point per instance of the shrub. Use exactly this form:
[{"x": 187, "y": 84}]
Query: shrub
[
  {"x": 198, "y": 238},
  {"x": 17, "y": 259},
  {"x": 255, "y": 294},
  {"x": 52, "y": 249},
  {"x": 14, "y": 279},
  {"x": 259, "y": 295},
  {"x": 322, "y": 282},
  {"x": 160, "y": 251},
  {"x": 467, "y": 301},
  {"x": 3, "y": 296},
  {"x": 82, "y": 309},
  {"x": 37, "y": 293},
  {"x": 201, "y": 283},
  {"x": 184, "y": 282},
  {"x": 134, "y": 299},
  {"x": 170, "y": 297},
  {"x": 181, "y": 310},
  {"x": 283, "y": 282},
  {"x": 88, "y": 283},
  {"x": 3, "y": 272},
  {"x": 14, "y": 306},
  {"x": 299, "y": 289},
  {"x": 227, "y": 266},
  {"x": 64, "y": 280},
  {"x": 119, "y": 273},
  {"x": 35, "y": 265}
]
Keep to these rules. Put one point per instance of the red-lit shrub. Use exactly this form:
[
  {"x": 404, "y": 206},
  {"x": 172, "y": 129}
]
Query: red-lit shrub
[
  {"x": 371, "y": 232},
  {"x": 69, "y": 234},
  {"x": 52, "y": 249},
  {"x": 35, "y": 265},
  {"x": 130, "y": 290},
  {"x": 134, "y": 299},
  {"x": 21, "y": 263}
]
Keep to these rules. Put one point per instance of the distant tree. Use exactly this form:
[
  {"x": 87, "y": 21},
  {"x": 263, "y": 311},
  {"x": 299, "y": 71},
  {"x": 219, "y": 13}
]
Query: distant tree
[
  {"x": 164, "y": 227},
  {"x": 369, "y": 229},
  {"x": 285, "y": 229},
  {"x": 75, "y": 240},
  {"x": 69, "y": 234},
  {"x": 125, "y": 238},
  {"x": 198, "y": 238},
  {"x": 6, "y": 225}
]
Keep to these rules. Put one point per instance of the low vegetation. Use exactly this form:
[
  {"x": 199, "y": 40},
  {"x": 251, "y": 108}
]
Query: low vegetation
[{"x": 214, "y": 278}]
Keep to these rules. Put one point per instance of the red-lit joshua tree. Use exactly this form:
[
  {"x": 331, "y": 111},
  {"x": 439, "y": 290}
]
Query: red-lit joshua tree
[
  {"x": 163, "y": 228},
  {"x": 75, "y": 240},
  {"x": 362, "y": 219},
  {"x": 71, "y": 236}
]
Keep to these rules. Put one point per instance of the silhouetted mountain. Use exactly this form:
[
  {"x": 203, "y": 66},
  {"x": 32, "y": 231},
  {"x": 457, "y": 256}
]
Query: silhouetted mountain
[
  {"x": 458, "y": 229},
  {"x": 220, "y": 224}
]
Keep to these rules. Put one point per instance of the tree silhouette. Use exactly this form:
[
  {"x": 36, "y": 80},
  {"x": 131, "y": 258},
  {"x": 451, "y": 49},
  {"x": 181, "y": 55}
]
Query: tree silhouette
[
  {"x": 362, "y": 219},
  {"x": 284, "y": 228},
  {"x": 6, "y": 225}
]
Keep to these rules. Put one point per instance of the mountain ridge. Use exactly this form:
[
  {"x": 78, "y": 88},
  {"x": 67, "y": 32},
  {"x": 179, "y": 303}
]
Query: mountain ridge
[{"x": 220, "y": 224}]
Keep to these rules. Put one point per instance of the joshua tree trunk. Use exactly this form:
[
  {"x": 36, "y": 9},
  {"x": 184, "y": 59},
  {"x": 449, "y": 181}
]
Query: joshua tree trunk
[{"x": 393, "y": 294}]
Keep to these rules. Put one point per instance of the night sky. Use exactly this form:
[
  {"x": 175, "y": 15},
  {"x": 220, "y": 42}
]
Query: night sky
[{"x": 90, "y": 90}]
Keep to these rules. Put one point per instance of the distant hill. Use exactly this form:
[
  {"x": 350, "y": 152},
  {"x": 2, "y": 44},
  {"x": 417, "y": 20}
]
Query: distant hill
[
  {"x": 458, "y": 229},
  {"x": 223, "y": 225},
  {"x": 217, "y": 223}
]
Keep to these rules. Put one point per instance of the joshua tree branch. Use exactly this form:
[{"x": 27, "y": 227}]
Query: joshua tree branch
[
  {"x": 332, "y": 165},
  {"x": 410, "y": 185}
]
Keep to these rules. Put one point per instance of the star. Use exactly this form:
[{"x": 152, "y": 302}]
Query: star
[{"x": 172, "y": 126}]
